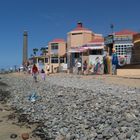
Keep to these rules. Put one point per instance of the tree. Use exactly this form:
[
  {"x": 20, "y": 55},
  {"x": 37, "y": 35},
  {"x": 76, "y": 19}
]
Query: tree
[
  {"x": 35, "y": 50},
  {"x": 44, "y": 51}
]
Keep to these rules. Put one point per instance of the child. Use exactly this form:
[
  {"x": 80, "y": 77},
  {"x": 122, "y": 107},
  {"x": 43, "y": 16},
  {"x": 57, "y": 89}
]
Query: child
[{"x": 43, "y": 75}]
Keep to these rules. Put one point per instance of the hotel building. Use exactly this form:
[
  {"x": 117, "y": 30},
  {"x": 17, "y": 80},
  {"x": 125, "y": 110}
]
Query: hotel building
[{"x": 83, "y": 44}]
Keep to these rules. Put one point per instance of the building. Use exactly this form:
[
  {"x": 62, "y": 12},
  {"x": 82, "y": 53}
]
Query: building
[
  {"x": 122, "y": 42},
  {"x": 109, "y": 42},
  {"x": 93, "y": 50},
  {"x": 82, "y": 45},
  {"x": 57, "y": 54},
  {"x": 75, "y": 39},
  {"x": 136, "y": 49}
]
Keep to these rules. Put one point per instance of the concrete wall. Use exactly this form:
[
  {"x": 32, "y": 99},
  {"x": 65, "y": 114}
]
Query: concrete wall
[
  {"x": 61, "y": 48},
  {"x": 129, "y": 72},
  {"x": 79, "y": 38}
]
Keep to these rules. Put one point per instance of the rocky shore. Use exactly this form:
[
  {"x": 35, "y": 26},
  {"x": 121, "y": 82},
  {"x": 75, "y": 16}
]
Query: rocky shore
[{"x": 70, "y": 107}]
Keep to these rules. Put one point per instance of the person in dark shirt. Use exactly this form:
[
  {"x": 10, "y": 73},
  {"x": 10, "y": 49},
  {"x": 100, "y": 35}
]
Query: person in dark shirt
[{"x": 85, "y": 67}]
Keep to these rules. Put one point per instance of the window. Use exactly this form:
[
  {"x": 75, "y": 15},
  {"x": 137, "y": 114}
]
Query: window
[
  {"x": 95, "y": 52},
  {"x": 61, "y": 59},
  {"x": 54, "y": 60},
  {"x": 85, "y": 53},
  {"x": 40, "y": 60},
  {"x": 46, "y": 60},
  {"x": 76, "y": 33},
  {"x": 54, "y": 46}
]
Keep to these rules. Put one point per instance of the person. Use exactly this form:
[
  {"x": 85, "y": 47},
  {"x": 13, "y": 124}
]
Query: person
[
  {"x": 108, "y": 60},
  {"x": 97, "y": 66},
  {"x": 114, "y": 62},
  {"x": 35, "y": 72},
  {"x": 43, "y": 75},
  {"x": 79, "y": 67},
  {"x": 48, "y": 69},
  {"x": 85, "y": 67},
  {"x": 105, "y": 64}
]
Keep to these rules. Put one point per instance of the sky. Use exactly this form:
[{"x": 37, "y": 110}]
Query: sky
[{"x": 45, "y": 20}]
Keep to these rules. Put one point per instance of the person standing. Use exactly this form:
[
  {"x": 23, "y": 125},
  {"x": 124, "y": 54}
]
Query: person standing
[
  {"x": 35, "y": 72},
  {"x": 48, "y": 69},
  {"x": 79, "y": 65},
  {"x": 114, "y": 62},
  {"x": 85, "y": 67}
]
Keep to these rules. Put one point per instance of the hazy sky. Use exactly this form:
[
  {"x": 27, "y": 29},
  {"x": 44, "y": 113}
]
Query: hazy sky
[{"x": 48, "y": 19}]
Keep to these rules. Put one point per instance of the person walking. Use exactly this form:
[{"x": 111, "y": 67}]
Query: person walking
[
  {"x": 43, "y": 74},
  {"x": 35, "y": 72}
]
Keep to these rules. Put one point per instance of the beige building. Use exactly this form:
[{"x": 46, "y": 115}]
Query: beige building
[
  {"x": 54, "y": 58},
  {"x": 79, "y": 36},
  {"x": 82, "y": 43},
  {"x": 56, "y": 54}
]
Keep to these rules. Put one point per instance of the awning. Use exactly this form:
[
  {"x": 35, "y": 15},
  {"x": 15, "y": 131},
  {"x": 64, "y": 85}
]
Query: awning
[
  {"x": 82, "y": 49},
  {"x": 95, "y": 47},
  {"x": 74, "y": 51}
]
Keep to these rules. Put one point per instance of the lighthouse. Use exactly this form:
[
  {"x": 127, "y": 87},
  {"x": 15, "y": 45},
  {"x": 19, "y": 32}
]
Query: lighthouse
[{"x": 25, "y": 48}]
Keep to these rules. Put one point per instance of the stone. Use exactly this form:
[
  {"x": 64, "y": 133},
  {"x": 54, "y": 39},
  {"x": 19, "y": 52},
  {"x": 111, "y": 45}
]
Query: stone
[
  {"x": 122, "y": 136},
  {"x": 132, "y": 137},
  {"x": 25, "y": 136},
  {"x": 73, "y": 108},
  {"x": 60, "y": 137},
  {"x": 130, "y": 117},
  {"x": 13, "y": 136}
]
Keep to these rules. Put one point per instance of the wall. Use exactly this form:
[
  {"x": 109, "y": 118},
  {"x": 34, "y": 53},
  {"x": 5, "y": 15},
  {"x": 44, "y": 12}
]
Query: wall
[
  {"x": 80, "y": 38},
  {"x": 92, "y": 58}
]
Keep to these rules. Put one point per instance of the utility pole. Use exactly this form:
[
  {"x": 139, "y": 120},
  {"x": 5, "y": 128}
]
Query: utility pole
[{"x": 112, "y": 28}]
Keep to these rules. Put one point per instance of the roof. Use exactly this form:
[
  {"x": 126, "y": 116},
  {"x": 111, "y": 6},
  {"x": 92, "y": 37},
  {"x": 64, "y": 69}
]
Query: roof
[
  {"x": 80, "y": 28},
  {"x": 97, "y": 40},
  {"x": 58, "y": 40},
  {"x": 125, "y": 32}
]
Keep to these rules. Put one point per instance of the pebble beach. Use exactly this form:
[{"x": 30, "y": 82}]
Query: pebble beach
[{"x": 74, "y": 107}]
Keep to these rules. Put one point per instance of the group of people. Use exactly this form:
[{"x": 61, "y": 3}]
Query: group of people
[
  {"x": 35, "y": 72},
  {"x": 107, "y": 66},
  {"x": 83, "y": 68},
  {"x": 78, "y": 66}
]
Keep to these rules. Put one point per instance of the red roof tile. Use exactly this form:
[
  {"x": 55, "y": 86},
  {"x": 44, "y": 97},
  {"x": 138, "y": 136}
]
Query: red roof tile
[
  {"x": 58, "y": 40},
  {"x": 97, "y": 40},
  {"x": 81, "y": 28},
  {"x": 125, "y": 32}
]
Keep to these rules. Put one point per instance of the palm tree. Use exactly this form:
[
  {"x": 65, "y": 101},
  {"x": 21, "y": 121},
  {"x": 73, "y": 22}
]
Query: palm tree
[
  {"x": 44, "y": 51},
  {"x": 31, "y": 55},
  {"x": 35, "y": 50}
]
